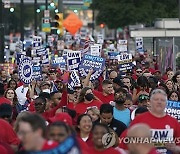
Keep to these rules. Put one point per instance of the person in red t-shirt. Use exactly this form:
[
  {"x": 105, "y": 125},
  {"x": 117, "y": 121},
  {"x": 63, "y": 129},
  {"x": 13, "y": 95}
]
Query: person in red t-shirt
[
  {"x": 84, "y": 126},
  {"x": 140, "y": 132},
  {"x": 163, "y": 127},
  {"x": 32, "y": 131},
  {"x": 99, "y": 130},
  {"x": 86, "y": 100},
  {"x": 2, "y": 98},
  {"x": 108, "y": 93},
  {"x": 7, "y": 135}
]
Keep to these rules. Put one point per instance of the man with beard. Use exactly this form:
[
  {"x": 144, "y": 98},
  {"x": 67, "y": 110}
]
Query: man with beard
[{"x": 120, "y": 112}]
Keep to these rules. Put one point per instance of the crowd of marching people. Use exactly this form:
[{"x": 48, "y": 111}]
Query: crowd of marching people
[{"x": 99, "y": 116}]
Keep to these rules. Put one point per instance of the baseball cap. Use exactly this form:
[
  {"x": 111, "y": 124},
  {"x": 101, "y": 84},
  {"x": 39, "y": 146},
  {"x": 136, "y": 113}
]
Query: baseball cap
[
  {"x": 64, "y": 117},
  {"x": 118, "y": 81}
]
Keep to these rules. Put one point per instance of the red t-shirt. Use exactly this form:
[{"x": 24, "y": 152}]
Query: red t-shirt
[
  {"x": 7, "y": 134},
  {"x": 81, "y": 108},
  {"x": 70, "y": 105},
  {"x": 3, "y": 150},
  {"x": 153, "y": 151},
  {"x": 83, "y": 146},
  {"x": 49, "y": 145},
  {"x": 4, "y": 100},
  {"x": 105, "y": 151},
  {"x": 104, "y": 99}
]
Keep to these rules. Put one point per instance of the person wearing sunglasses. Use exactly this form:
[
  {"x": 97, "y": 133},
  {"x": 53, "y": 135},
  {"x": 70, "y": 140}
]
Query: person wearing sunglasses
[{"x": 143, "y": 101}]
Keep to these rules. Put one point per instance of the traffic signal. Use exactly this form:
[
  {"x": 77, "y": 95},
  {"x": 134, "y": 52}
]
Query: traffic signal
[
  {"x": 59, "y": 23},
  {"x": 101, "y": 25}
]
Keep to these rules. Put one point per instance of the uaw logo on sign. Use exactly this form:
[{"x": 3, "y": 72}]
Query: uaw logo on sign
[
  {"x": 91, "y": 62},
  {"x": 25, "y": 70}
]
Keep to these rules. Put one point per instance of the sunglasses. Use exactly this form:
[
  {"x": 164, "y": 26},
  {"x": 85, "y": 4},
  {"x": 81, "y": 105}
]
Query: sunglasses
[
  {"x": 143, "y": 97},
  {"x": 138, "y": 71}
]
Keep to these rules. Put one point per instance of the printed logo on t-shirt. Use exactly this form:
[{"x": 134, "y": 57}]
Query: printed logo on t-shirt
[{"x": 162, "y": 136}]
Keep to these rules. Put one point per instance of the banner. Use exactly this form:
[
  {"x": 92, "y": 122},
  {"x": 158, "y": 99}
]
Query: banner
[
  {"x": 113, "y": 55},
  {"x": 42, "y": 56},
  {"x": 37, "y": 42},
  {"x": 73, "y": 60},
  {"x": 139, "y": 44},
  {"x": 59, "y": 62},
  {"x": 125, "y": 62},
  {"x": 25, "y": 70},
  {"x": 100, "y": 39},
  {"x": 122, "y": 46},
  {"x": 96, "y": 50},
  {"x": 41, "y": 51},
  {"x": 50, "y": 40},
  {"x": 73, "y": 80},
  {"x": 19, "y": 57},
  {"x": 68, "y": 39},
  {"x": 69, "y": 146},
  {"x": 91, "y": 62},
  {"x": 173, "y": 109},
  {"x": 37, "y": 72}
]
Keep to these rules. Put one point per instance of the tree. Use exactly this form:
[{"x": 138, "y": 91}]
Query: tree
[{"x": 119, "y": 13}]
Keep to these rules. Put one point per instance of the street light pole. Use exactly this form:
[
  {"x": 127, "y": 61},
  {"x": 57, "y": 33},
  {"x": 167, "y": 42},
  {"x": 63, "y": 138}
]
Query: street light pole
[
  {"x": 35, "y": 17},
  {"x": 22, "y": 20},
  {"x": 60, "y": 6},
  {"x": 46, "y": 33},
  {"x": 1, "y": 33},
  {"x": 179, "y": 10}
]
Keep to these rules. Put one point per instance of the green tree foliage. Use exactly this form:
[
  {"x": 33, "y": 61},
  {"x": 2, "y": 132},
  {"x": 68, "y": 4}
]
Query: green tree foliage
[
  {"x": 118, "y": 13},
  {"x": 14, "y": 19}
]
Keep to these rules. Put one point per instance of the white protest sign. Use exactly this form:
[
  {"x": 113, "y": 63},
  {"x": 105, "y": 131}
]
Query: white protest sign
[
  {"x": 125, "y": 62},
  {"x": 73, "y": 59},
  {"x": 100, "y": 38},
  {"x": 60, "y": 45},
  {"x": 50, "y": 41},
  {"x": 74, "y": 80},
  {"x": 37, "y": 42},
  {"x": 139, "y": 44},
  {"x": 95, "y": 50},
  {"x": 122, "y": 46},
  {"x": 68, "y": 39}
]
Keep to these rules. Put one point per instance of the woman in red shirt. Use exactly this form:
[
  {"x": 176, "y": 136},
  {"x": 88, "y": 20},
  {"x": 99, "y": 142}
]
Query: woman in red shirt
[
  {"x": 86, "y": 100},
  {"x": 84, "y": 126}
]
